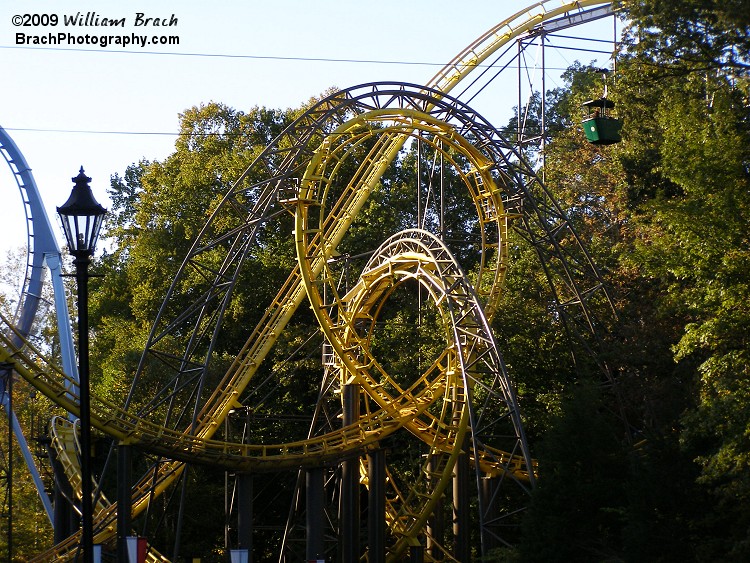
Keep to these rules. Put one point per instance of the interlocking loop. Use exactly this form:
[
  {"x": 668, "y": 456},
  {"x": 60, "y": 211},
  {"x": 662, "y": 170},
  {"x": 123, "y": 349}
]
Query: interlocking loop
[
  {"x": 465, "y": 389},
  {"x": 470, "y": 366}
]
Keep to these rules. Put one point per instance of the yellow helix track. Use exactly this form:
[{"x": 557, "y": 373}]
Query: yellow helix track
[
  {"x": 500, "y": 35},
  {"x": 318, "y": 233},
  {"x": 111, "y": 419},
  {"x": 64, "y": 438},
  {"x": 470, "y": 355},
  {"x": 197, "y": 445}
]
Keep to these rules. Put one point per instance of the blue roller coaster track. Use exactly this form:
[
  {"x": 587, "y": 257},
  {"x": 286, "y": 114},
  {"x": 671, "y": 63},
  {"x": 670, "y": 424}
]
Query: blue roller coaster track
[{"x": 43, "y": 254}]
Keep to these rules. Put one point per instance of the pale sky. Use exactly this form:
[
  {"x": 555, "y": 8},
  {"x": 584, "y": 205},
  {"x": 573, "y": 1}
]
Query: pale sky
[{"x": 68, "y": 106}]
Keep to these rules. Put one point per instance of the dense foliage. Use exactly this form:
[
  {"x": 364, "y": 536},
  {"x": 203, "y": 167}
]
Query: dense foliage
[{"x": 669, "y": 207}]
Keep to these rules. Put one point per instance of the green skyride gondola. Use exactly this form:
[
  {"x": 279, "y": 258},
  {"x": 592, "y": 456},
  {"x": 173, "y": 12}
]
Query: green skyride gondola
[{"x": 599, "y": 125}]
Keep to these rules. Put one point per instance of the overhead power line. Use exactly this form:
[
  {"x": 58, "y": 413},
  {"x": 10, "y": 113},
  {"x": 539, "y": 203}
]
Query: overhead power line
[
  {"x": 92, "y": 132},
  {"x": 250, "y": 57},
  {"x": 227, "y": 56}
]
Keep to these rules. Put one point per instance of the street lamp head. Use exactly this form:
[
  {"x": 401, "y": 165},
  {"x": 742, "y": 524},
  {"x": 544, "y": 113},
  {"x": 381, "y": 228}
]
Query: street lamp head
[{"x": 81, "y": 217}]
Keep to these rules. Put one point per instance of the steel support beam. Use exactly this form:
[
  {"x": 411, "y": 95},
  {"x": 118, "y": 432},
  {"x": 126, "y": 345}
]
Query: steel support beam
[
  {"x": 490, "y": 532},
  {"x": 349, "y": 512},
  {"x": 376, "y": 507},
  {"x": 124, "y": 500},
  {"x": 315, "y": 513},
  {"x": 461, "y": 507},
  {"x": 436, "y": 523},
  {"x": 245, "y": 513}
]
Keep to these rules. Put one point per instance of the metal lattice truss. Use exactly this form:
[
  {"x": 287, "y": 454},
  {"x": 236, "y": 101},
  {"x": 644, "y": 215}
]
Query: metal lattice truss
[
  {"x": 468, "y": 389},
  {"x": 307, "y": 172},
  {"x": 302, "y": 172}
]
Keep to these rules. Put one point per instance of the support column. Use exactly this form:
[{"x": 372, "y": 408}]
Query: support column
[
  {"x": 315, "y": 495},
  {"x": 245, "y": 513},
  {"x": 376, "y": 507},
  {"x": 65, "y": 518},
  {"x": 349, "y": 511},
  {"x": 436, "y": 522},
  {"x": 461, "y": 507},
  {"x": 124, "y": 500}
]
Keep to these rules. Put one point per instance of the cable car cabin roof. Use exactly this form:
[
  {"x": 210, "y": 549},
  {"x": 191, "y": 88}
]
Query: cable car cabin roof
[{"x": 600, "y": 103}]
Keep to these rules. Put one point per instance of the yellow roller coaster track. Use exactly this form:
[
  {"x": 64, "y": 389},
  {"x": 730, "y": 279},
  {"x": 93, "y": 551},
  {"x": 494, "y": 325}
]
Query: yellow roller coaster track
[
  {"x": 196, "y": 445},
  {"x": 127, "y": 428},
  {"x": 470, "y": 355},
  {"x": 503, "y": 33},
  {"x": 64, "y": 436}
]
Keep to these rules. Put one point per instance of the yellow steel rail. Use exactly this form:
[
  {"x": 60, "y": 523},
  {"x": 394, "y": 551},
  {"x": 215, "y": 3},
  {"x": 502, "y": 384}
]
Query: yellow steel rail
[
  {"x": 500, "y": 35},
  {"x": 128, "y": 428},
  {"x": 198, "y": 446},
  {"x": 436, "y": 270}
]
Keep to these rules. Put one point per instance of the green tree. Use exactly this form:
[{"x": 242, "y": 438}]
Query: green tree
[
  {"x": 579, "y": 506},
  {"x": 682, "y": 37},
  {"x": 158, "y": 209},
  {"x": 646, "y": 209},
  {"x": 689, "y": 67}
]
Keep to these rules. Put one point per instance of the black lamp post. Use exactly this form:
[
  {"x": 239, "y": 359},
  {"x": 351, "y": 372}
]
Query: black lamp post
[{"x": 82, "y": 219}]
